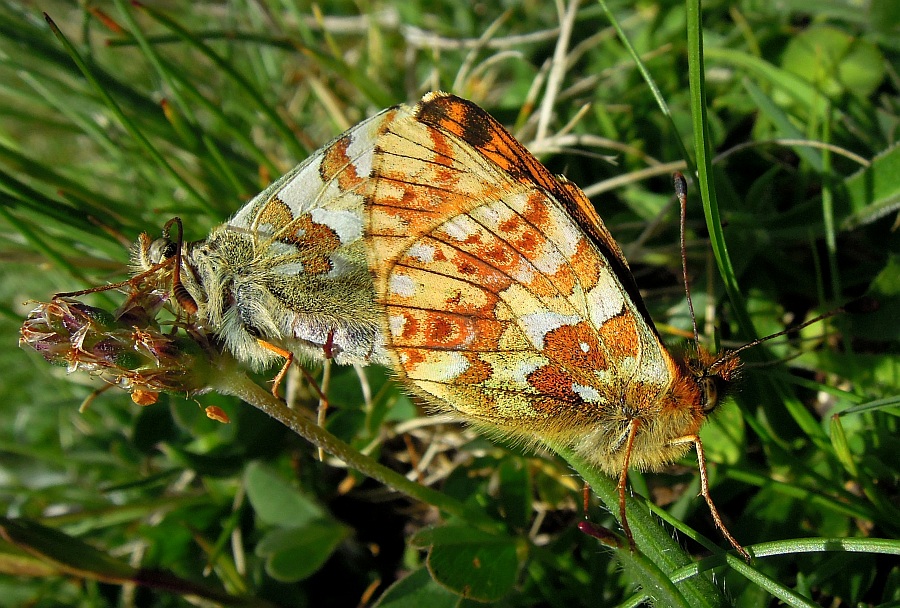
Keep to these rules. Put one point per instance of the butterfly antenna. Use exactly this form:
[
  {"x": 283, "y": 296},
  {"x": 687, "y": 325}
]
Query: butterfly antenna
[
  {"x": 184, "y": 299},
  {"x": 858, "y": 306},
  {"x": 681, "y": 194}
]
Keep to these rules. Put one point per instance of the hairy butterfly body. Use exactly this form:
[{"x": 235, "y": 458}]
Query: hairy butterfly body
[{"x": 288, "y": 271}]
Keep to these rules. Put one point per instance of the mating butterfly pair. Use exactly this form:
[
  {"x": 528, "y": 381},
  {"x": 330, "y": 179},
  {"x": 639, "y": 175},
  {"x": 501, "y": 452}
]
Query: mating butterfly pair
[{"x": 428, "y": 239}]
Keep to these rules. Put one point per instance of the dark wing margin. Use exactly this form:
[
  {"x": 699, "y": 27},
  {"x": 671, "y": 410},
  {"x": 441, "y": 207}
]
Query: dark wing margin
[{"x": 479, "y": 129}]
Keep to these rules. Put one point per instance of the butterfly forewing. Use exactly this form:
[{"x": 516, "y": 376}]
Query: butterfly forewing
[
  {"x": 423, "y": 176},
  {"x": 478, "y": 129},
  {"x": 499, "y": 306}
]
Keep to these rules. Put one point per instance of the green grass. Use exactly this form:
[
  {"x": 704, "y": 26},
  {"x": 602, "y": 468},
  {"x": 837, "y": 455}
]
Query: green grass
[{"x": 789, "y": 111}]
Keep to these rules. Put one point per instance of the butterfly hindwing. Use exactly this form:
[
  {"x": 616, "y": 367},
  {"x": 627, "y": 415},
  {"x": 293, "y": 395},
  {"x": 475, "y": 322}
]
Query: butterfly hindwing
[{"x": 290, "y": 267}]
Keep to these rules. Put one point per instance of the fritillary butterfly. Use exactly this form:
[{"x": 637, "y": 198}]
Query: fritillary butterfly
[{"x": 510, "y": 305}]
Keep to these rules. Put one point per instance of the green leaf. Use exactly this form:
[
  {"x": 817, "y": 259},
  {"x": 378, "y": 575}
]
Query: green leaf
[
  {"x": 874, "y": 191},
  {"x": 415, "y": 590},
  {"x": 834, "y": 61},
  {"x": 294, "y": 554},
  {"x": 471, "y": 563},
  {"x": 790, "y": 87},
  {"x": 276, "y": 502},
  {"x": 515, "y": 491},
  {"x": 882, "y": 324},
  {"x": 723, "y": 435}
]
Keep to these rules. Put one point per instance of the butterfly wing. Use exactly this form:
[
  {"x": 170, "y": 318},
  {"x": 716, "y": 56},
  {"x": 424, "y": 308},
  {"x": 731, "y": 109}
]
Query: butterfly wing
[
  {"x": 310, "y": 220},
  {"x": 499, "y": 306},
  {"x": 290, "y": 266},
  {"x": 480, "y": 130}
]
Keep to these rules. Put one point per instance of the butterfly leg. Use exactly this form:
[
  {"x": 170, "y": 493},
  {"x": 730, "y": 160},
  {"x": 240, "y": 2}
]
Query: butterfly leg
[
  {"x": 704, "y": 492},
  {"x": 328, "y": 350},
  {"x": 323, "y": 400},
  {"x": 319, "y": 390},
  {"x": 590, "y": 528},
  {"x": 132, "y": 282},
  {"x": 623, "y": 479},
  {"x": 281, "y": 352}
]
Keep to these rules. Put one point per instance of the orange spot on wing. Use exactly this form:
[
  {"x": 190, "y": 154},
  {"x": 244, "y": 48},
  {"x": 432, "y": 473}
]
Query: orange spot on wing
[
  {"x": 620, "y": 337},
  {"x": 315, "y": 242},
  {"x": 512, "y": 225},
  {"x": 536, "y": 211},
  {"x": 275, "y": 212},
  {"x": 479, "y": 371},
  {"x": 442, "y": 160},
  {"x": 443, "y": 331},
  {"x": 410, "y": 357},
  {"x": 553, "y": 383},
  {"x": 586, "y": 264},
  {"x": 336, "y": 163},
  {"x": 576, "y": 347},
  {"x": 410, "y": 327}
]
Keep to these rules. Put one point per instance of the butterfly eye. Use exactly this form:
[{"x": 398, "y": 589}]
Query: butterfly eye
[
  {"x": 710, "y": 393},
  {"x": 162, "y": 249}
]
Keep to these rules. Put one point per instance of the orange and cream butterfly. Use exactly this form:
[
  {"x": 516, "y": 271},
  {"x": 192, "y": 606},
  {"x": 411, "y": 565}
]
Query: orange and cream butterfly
[
  {"x": 287, "y": 274},
  {"x": 509, "y": 304},
  {"x": 429, "y": 239}
]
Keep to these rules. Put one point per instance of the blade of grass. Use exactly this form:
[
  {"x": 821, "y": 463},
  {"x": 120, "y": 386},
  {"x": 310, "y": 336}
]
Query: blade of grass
[
  {"x": 54, "y": 94},
  {"x": 704, "y": 167},
  {"x": 830, "y": 503},
  {"x": 230, "y": 127},
  {"x": 782, "y": 122},
  {"x": 660, "y": 554},
  {"x": 705, "y": 183},
  {"x": 651, "y": 83},
  {"x": 23, "y": 33},
  {"x": 134, "y": 31},
  {"x": 373, "y": 90},
  {"x": 36, "y": 202},
  {"x": 793, "y": 86},
  {"x": 88, "y": 202},
  {"x": 182, "y": 117},
  {"x": 289, "y": 138},
  {"x": 124, "y": 120},
  {"x": 38, "y": 244}
]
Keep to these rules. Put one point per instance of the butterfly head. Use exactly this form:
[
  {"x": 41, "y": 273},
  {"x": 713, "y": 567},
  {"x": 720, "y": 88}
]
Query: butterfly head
[
  {"x": 148, "y": 253},
  {"x": 713, "y": 374}
]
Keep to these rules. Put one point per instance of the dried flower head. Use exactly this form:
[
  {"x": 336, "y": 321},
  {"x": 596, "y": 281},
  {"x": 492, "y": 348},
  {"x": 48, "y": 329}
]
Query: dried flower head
[{"x": 126, "y": 348}]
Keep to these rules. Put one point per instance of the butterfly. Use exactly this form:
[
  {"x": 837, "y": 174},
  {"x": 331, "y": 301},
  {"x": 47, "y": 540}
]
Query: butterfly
[
  {"x": 508, "y": 303},
  {"x": 428, "y": 239},
  {"x": 287, "y": 274}
]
